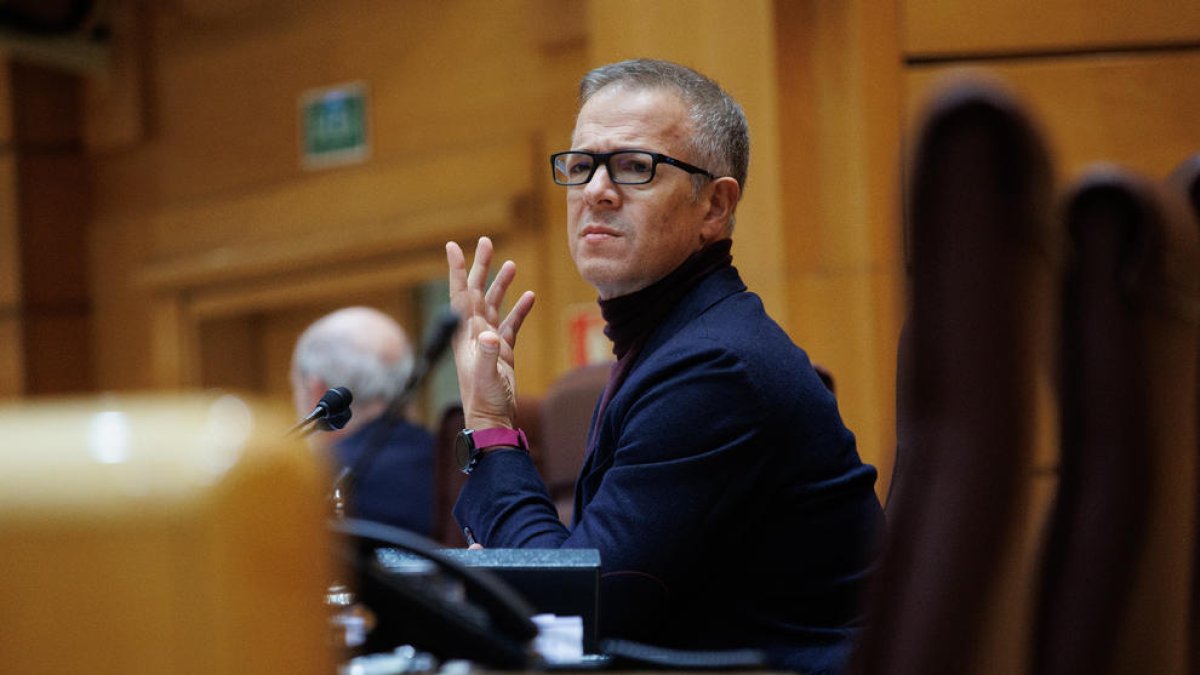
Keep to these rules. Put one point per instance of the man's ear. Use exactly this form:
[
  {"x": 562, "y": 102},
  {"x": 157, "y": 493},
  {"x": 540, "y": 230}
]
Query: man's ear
[{"x": 723, "y": 196}]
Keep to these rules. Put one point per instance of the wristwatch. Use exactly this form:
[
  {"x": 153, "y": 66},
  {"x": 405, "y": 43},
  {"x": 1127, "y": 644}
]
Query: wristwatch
[{"x": 473, "y": 443}]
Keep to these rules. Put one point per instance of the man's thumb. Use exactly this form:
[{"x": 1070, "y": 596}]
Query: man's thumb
[{"x": 489, "y": 344}]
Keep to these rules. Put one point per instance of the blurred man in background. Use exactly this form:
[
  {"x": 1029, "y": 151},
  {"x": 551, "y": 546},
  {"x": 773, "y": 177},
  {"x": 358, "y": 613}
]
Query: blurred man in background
[{"x": 390, "y": 459}]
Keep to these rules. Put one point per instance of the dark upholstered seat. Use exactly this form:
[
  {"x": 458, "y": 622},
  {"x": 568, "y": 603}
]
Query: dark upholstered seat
[
  {"x": 566, "y": 414},
  {"x": 448, "y": 479},
  {"x": 1118, "y": 568},
  {"x": 952, "y": 593},
  {"x": 1185, "y": 180}
]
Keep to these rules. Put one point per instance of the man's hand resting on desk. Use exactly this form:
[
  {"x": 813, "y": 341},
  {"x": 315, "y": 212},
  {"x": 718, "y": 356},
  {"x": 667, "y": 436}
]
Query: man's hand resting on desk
[
  {"x": 472, "y": 545},
  {"x": 483, "y": 347}
]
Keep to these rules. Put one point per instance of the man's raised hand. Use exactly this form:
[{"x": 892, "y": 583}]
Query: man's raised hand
[{"x": 483, "y": 346}]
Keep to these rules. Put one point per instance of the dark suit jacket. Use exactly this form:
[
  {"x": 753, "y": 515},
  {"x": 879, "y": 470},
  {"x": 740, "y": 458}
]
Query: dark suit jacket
[
  {"x": 396, "y": 486},
  {"x": 725, "y": 496}
]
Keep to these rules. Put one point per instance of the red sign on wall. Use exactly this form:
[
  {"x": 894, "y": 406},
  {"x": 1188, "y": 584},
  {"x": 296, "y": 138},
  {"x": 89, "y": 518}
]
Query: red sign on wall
[{"x": 587, "y": 339}]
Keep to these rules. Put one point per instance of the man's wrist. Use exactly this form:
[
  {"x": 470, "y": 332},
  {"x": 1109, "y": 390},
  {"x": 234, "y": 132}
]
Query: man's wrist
[
  {"x": 487, "y": 422},
  {"x": 471, "y": 444}
]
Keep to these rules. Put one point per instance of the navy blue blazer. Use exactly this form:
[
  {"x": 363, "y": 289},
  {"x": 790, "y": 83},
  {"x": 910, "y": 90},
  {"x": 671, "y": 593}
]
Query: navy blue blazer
[
  {"x": 726, "y": 497},
  {"x": 396, "y": 486}
]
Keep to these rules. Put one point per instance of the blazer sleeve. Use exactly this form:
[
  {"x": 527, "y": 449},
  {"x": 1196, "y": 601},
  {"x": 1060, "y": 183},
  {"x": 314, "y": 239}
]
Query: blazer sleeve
[{"x": 689, "y": 447}]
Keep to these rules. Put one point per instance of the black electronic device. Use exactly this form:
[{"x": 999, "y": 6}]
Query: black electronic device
[
  {"x": 564, "y": 581},
  {"x": 436, "y": 605},
  {"x": 403, "y": 579}
]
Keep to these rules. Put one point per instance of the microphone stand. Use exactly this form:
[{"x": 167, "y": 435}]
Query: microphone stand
[
  {"x": 352, "y": 618},
  {"x": 436, "y": 343}
]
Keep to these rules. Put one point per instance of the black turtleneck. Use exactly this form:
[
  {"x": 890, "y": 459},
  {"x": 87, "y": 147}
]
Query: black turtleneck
[{"x": 632, "y": 318}]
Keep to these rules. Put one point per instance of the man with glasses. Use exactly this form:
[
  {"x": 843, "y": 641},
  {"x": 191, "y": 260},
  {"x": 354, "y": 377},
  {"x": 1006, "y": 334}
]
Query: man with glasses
[{"x": 725, "y": 496}]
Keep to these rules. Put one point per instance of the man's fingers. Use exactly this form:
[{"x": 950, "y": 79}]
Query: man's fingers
[
  {"x": 516, "y": 316},
  {"x": 489, "y": 351},
  {"x": 456, "y": 262},
  {"x": 479, "y": 267},
  {"x": 495, "y": 292}
]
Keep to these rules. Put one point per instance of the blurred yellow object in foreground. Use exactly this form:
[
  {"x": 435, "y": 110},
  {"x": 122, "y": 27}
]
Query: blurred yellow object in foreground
[{"x": 160, "y": 534}]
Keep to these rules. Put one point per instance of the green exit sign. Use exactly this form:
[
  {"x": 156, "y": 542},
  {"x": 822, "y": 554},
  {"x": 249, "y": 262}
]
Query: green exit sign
[{"x": 333, "y": 126}]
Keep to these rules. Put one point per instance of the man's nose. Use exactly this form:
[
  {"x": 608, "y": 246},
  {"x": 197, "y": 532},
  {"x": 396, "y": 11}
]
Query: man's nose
[{"x": 601, "y": 189}]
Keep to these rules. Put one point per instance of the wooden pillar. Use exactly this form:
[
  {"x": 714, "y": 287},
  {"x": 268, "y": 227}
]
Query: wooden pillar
[
  {"x": 841, "y": 103},
  {"x": 52, "y": 203},
  {"x": 12, "y": 354}
]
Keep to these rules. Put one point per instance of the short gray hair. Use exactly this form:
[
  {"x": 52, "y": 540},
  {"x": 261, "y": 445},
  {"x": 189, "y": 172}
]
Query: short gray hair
[
  {"x": 721, "y": 138},
  {"x": 327, "y": 351}
]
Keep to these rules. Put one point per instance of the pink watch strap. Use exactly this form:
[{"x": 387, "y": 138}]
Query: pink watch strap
[{"x": 497, "y": 436}]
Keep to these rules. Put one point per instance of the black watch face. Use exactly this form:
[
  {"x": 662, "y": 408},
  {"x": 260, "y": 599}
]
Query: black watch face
[{"x": 463, "y": 449}]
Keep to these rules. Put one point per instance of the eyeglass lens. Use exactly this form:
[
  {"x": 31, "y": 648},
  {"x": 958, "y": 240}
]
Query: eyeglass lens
[{"x": 576, "y": 168}]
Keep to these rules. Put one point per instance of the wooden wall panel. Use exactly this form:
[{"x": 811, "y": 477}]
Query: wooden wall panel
[
  {"x": 840, "y": 101},
  {"x": 278, "y": 330},
  {"x": 12, "y": 353},
  {"x": 12, "y": 356},
  {"x": 122, "y": 335},
  {"x": 940, "y": 28},
  {"x": 562, "y": 293},
  {"x": 440, "y": 76},
  {"x": 10, "y": 239},
  {"x": 212, "y": 219},
  {"x": 229, "y": 357},
  {"x": 1138, "y": 110},
  {"x": 732, "y": 43},
  {"x": 54, "y": 224},
  {"x": 52, "y": 197},
  {"x": 406, "y": 203},
  {"x": 57, "y": 358},
  {"x": 6, "y": 104},
  {"x": 117, "y": 100}
]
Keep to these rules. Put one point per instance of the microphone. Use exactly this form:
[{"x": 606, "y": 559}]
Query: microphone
[
  {"x": 336, "y": 421},
  {"x": 437, "y": 341},
  {"x": 332, "y": 411}
]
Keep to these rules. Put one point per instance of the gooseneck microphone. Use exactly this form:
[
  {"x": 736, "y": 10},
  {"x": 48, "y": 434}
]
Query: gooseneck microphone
[
  {"x": 437, "y": 341},
  {"x": 331, "y": 412}
]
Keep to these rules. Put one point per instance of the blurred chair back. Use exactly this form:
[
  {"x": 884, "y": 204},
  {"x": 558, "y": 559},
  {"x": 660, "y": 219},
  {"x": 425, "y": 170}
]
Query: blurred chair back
[
  {"x": 1185, "y": 180},
  {"x": 1118, "y": 572},
  {"x": 161, "y": 534},
  {"x": 826, "y": 376},
  {"x": 952, "y": 593},
  {"x": 566, "y": 415},
  {"x": 449, "y": 479}
]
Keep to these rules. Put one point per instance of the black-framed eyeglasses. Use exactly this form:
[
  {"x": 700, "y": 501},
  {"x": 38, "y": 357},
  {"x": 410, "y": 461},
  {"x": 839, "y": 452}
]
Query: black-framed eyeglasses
[{"x": 625, "y": 167}]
